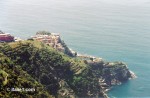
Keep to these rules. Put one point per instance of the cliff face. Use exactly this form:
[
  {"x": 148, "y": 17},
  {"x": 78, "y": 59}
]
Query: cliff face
[
  {"x": 110, "y": 73},
  {"x": 53, "y": 40},
  {"x": 58, "y": 74}
]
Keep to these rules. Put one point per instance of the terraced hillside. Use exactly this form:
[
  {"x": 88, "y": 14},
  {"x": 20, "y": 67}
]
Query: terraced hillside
[{"x": 32, "y": 64}]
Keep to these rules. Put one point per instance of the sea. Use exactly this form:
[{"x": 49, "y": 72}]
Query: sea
[{"x": 116, "y": 30}]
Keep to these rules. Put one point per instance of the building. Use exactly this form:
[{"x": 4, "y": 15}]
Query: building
[
  {"x": 51, "y": 39},
  {"x": 5, "y": 37}
]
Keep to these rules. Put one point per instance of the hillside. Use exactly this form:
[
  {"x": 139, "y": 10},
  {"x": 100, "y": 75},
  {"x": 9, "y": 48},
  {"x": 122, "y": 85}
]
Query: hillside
[
  {"x": 32, "y": 64},
  {"x": 12, "y": 76}
]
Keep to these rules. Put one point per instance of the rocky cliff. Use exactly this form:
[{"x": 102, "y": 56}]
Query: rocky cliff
[{"x": 55, "y": 73}]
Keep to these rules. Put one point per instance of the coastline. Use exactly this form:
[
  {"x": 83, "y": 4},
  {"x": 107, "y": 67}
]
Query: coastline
[
  {"x": 55, "y": 41},
  {"x": 133, "y": 75}
]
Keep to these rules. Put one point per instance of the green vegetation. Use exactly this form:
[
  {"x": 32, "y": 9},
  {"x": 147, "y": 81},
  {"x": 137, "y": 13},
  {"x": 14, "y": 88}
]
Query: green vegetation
[
  {"x": 3, "y": 77},
  {"x": 12, "y": 76},
  {"x": 32, "y": 64},
  {"x": 44, "y": 33}
]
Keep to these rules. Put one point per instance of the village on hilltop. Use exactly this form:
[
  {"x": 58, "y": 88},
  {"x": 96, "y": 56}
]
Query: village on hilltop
[{"x": 53, "y": 40}]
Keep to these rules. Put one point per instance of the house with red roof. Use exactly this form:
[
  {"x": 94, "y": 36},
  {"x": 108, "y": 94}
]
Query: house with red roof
[{"x": 5, "y": 37}]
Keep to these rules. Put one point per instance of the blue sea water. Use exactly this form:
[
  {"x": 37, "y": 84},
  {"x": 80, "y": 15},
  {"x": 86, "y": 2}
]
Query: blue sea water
[{"x": 116, "y": 30}]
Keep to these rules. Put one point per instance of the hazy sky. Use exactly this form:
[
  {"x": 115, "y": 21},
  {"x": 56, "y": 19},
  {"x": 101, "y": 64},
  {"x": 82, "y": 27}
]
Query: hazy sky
[{"x": 124, "y": 2}]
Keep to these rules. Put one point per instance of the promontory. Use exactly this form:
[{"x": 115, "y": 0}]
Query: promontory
[{"x": 43, "y": 66}]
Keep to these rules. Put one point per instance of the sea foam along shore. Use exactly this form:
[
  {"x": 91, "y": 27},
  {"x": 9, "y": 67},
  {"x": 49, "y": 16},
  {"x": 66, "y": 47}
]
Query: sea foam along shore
[{"x": 133, "y": 75}]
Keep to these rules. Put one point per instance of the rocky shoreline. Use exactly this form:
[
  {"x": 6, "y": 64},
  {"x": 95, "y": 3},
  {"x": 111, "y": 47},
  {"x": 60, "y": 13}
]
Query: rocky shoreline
[
  {"x": 107, "y": 74},
  {"x": 94, "y": 61}
]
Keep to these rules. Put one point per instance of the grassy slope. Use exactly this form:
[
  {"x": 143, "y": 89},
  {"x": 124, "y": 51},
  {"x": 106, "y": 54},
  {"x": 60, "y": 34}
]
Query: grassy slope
[
  {"x": 12, "y": 76},
  {"x": 43, "y": 62},
  {"x": 59, "y": 74}
]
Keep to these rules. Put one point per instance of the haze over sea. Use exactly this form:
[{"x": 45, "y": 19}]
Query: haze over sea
[{"x": 116, "y": 30}]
